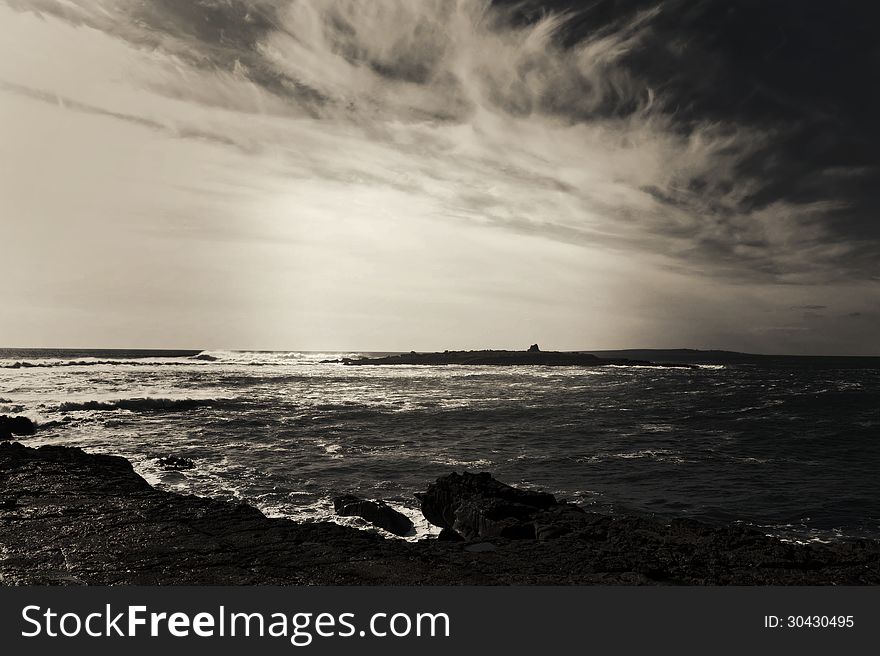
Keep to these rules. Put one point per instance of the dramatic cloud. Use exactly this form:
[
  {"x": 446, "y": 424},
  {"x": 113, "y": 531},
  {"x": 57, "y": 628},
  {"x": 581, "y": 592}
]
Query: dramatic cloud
[{"x": 635, "y": 144}]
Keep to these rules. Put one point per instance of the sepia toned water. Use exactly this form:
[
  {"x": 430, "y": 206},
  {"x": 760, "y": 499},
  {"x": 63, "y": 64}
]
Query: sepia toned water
[{"x": 792, "y": 446}]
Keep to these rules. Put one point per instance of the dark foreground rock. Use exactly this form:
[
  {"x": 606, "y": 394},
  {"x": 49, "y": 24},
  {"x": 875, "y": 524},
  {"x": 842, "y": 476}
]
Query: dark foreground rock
[
  {"x": 69, "y": 517},
  {"x": 10, "y": 426},
  {"x": 476, "y": 506},
  {"x": 533, "y": 356},
  {"x": 378, "y": 513}
]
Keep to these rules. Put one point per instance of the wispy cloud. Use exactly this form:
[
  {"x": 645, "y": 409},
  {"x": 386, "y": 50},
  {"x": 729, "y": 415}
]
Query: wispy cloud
[{"x": 497, "y": 121}]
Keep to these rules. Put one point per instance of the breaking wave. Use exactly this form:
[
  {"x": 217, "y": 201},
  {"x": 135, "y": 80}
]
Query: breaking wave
[
  {"x": 250, "y": 358},
  {"x": 277, "y": 358}
]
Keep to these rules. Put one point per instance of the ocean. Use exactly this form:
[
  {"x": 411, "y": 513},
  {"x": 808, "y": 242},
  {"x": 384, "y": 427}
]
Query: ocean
[{"x": 790, "y": 445}]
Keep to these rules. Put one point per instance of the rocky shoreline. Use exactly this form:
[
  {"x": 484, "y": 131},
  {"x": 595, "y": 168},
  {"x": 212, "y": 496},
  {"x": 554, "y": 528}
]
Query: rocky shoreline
[{"x": 68, "y": 517}]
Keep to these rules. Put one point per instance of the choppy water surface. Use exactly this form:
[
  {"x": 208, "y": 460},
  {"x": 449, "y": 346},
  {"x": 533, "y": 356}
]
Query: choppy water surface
[{"x": 792, "y": 447}]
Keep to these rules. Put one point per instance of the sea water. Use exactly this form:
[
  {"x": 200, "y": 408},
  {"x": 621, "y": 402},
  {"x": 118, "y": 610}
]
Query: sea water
[{"x": 790, "y": 445}]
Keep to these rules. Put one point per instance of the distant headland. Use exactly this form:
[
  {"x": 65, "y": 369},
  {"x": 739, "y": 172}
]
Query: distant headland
[{"x": 533, "y": 356}]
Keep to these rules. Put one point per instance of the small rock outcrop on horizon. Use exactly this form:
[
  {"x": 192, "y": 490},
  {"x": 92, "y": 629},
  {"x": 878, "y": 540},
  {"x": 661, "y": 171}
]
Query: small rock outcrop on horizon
[
  {"x": 476, "y": 506},
  {"x": 532, "y": 357},
  {"x": 10, "y": 426},
  {"x": 378, "y": 513}
]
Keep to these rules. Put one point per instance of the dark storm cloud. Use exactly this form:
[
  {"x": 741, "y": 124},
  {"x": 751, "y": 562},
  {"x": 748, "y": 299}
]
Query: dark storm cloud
[{"x": 804, "y": 72}]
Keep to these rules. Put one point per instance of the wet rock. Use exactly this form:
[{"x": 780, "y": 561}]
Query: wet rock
[
  {"x": 478, "y": 506},
  {"x": 175, "y": 463},
  {"x": 10, "y": 426},
  {"x": 448, "y": 535},
  {"x": 481, "y": 547},
  {"x": 558, "y": 520},
  {"x": 378, "y": 513}
]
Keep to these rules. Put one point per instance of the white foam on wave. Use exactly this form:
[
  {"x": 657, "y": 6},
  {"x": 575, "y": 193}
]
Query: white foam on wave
[
  {"x": 321, "y": 510},
  {"x": 657, "y": 428},
  {"x": 54, "y": 363},
  {"x": 272, "y": 358},
  {"x": 455, "y": 462},
  {"x": 659, "y": 455},
  {"x": 208, "y": 480},
  {"x": 332, "y": 449}
]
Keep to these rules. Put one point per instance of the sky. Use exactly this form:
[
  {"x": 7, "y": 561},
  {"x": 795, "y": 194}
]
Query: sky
[{"x": 397, "y": 175}]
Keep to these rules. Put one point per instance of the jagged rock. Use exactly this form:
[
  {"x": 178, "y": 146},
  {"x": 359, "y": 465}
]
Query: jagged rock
[
  {"x": 481, "y": 547},
  {"x": 378, "y": 513},
  {"x": 448, "y": 535},
  {"x": 558, "y": 520},
  {"x": 10, "y": 426},
  {"x": 175, "y": 463},
  {"x": 478, "y": 506},
  {"x": 534, "y": 349}
]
